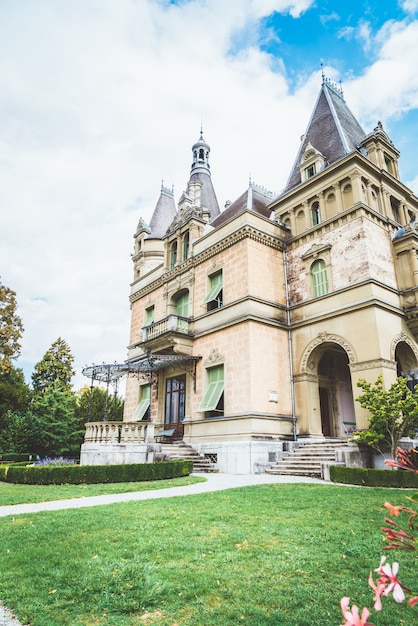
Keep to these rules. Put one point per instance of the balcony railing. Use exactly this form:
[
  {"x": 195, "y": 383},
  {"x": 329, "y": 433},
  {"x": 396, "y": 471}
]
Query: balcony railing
[
  {"x": 115, "y": 432},
  {"x": 170, "y": 324}
]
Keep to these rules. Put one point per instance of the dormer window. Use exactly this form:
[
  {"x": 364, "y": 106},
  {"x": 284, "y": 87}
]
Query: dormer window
[
  {"x": 389, "y": 164},
  {"x": 311, "y": 163},
  {"x": 310, "y": 171}
]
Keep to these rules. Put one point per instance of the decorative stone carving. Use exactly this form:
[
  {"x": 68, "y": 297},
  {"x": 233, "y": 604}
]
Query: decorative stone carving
[
  {"x": 214, "y": 358},
  {"x": 308, "y": 364},
  {"x": 373, "y": 364}
]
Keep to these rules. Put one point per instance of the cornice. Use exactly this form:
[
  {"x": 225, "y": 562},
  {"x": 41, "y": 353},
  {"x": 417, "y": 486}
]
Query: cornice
[{"x": 245, "y": 232}]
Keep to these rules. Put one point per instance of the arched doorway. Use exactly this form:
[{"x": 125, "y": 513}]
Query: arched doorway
[
  {"x": 406, "y": 363},
  {"x": 335, "y": 392}
]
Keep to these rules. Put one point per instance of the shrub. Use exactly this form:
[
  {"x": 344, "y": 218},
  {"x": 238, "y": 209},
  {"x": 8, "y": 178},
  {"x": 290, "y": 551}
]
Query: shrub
[
  {"x": 373, "y": 477},
  {"x": 93, "y": 474}
]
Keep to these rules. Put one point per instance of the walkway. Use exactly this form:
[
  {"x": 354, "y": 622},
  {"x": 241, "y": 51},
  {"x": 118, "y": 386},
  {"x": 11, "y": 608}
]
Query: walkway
[{"x": 214, "y": 482}]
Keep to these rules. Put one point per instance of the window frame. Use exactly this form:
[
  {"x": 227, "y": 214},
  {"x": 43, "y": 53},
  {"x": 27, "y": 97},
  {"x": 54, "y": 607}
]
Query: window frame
[
  {"x": 212, "y": 403},
  {"x": 144, "y": 404},
  {"x": 319, "y": 276},
  {"x": 214, "y": 296}
]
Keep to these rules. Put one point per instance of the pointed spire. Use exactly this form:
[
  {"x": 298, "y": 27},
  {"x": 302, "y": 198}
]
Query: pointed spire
[
  {"x": 164, "y": 213},
  {"x": 332, "y": 131}
]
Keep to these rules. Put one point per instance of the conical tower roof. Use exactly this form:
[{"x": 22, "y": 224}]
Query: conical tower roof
[
  {"x": 332, "y": 130},
  {"x": 164, "y": 213},
  {"x": 200, "y": 171}
]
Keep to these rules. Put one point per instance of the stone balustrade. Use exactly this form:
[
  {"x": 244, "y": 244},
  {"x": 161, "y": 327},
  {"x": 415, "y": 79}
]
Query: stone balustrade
[
  {"x": 115, "y": 432},
  {"x": 172, "y": 323}
]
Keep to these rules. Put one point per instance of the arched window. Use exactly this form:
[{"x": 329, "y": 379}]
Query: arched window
[
  {"x": 315, "y": 214},
  {"x": 173, "y": 254},
  {"x": 319, "y": 278},
  {"x": 185, "y": 246}
]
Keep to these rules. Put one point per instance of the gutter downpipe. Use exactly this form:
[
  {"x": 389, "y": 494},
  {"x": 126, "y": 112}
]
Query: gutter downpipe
[{"x": 289, "y": 337}]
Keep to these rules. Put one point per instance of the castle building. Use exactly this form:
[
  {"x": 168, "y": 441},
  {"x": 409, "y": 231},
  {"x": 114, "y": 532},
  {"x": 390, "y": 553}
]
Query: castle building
[{"x": 251, "y": 326}]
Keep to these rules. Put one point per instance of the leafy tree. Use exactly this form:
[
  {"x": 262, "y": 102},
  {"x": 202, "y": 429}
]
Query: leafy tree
[
  {"x": 61, "y": 432},
  {"x": 14, "y": 393},
  {"x": 394, "y": 414},
  {"x": 11, "y": 329},
  {"x": 91, "y": 405},
  {"x": 56, "y": 366},
  {"x": 21, "y": 433}
]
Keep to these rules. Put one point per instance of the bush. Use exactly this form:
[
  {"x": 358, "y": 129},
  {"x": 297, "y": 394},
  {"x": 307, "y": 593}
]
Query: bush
[
  {"x": 93, "y": 474},
  {"x": 14, "y": 457},
  {"x": 373, "y": 477}
]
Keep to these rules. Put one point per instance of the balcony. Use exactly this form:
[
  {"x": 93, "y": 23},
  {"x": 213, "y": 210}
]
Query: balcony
[{"x": 174, "y": 331}]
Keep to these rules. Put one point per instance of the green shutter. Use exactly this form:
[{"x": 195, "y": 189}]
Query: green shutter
[
  {"x": 215, "y": 287},
  {"x": 143, "y": 405},
  {"x": 182, "y": 305},
  {"x": 214, "y": 391},
  {"x": 319, "y": 278},
  {"x": 149, "y": 316}
]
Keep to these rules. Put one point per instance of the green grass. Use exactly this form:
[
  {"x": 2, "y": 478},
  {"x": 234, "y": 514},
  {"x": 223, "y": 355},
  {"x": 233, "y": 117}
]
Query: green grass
[
  {"x": 261, "y": 556},
  {"x": 24, "y": 494}
]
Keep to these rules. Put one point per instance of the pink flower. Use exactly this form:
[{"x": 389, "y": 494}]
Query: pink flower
[
  {"x": 378, "y": 589},
  {"x": 413, "y": 601},
  {"x": 352, "y": 618},
  {"x": 389, "y": 581}
]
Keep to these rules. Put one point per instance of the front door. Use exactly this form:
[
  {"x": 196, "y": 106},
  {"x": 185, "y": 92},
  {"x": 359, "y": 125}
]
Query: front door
[
  {"x": 325, "y": 413},
  {"x": 175, "y": 400}
]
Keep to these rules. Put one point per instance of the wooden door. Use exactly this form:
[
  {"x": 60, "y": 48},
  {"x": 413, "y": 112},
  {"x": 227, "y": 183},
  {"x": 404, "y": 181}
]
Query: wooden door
[{"x": 175, "y": 404}]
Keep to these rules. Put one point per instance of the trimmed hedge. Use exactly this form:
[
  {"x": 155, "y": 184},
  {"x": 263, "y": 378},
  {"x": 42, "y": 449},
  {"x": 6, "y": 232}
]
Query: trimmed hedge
[
  {"x": 373, "y": 477},
  {"x": 14, "y": 457},
  {"x": 93, "y": 474}
]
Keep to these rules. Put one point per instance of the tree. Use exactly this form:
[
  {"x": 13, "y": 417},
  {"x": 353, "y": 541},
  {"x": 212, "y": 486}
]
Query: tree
[
  {"x": 14, "y": 393},
  {"x": 56, "y": 366},
  {"x": 394, "y": 414},
  {"x": 11, "y": 329},
  {"x": 61, "y": 432},
  {"x": 21, "y": 433},
  {"x": 91, "y": 403}
]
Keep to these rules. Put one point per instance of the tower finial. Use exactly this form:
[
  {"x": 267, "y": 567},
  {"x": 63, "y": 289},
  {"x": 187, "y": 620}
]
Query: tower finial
[{"x": 322, "y": 71}]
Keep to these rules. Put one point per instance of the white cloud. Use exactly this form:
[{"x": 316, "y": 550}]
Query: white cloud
[
  {"x": 100, "y": 101},
  {"x": 410, "y": 6}
]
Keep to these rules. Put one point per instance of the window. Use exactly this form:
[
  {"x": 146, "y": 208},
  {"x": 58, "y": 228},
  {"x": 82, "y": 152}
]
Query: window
[
  {"x": 173, "y": 254},
  {"x": 213, "y": 401},
  {"x": 315, "y": 214},
  {"x": 142, "y": 411},
  {"x": 182, "y": 310},
  {"x": 185, "y": 246},
  {"x": 214, "y": 299},
  {"x": 182, "y": 305},
  {"x": 310, "y": 171},
  {"x": 175, "y": 399},
  {"x": 389, "y": 164},
  {"x": 319, "y": 278},
  {"x": 149, "y": 315}
]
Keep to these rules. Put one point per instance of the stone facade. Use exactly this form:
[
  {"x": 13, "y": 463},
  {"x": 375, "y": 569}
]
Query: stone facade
[{"x": 278, "y": 306}]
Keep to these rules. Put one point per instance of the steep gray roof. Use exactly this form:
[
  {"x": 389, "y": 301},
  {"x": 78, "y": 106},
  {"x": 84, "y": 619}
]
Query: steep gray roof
[
  {"x": 164, "y": 213},
  {"x": 332, "y": 130},
  {"x": 254, "y": 199}
]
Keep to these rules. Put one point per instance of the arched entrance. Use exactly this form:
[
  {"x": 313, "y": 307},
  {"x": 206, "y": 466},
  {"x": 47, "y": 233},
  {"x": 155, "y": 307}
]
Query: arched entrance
[
  {"x": 335, "y": 392},
  {"x": 406, "y": 363}
]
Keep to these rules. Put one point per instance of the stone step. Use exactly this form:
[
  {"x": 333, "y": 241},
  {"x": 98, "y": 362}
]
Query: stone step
[{"x": 181, "y": 450}]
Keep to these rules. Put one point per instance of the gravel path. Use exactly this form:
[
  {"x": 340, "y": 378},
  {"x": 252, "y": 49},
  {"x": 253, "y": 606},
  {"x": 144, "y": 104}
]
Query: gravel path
[{"x": 214, "y": 482}]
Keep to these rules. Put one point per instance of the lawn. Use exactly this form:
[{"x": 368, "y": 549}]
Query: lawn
[
  {"x": 22, "y": 494},
  {"x": 263, "y": 556}
]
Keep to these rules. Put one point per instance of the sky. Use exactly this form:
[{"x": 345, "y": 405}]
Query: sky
[{"x": 102, "y": 100}]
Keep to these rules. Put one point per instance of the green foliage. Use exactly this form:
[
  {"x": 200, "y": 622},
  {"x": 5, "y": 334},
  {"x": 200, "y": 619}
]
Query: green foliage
[
  {"x": 91, "y": 474},
  {"x": 14, "y": 393},
  {"x": 21, "y": 432},
  {"x": 91, "y": 404},
  {"x": 373, "y": 477},
  {"x": 61, "y": 432},
  {"x": 11, "y": 329},
  {"x": 394, "y": 414},
  {"x": 55, "y": 368}
]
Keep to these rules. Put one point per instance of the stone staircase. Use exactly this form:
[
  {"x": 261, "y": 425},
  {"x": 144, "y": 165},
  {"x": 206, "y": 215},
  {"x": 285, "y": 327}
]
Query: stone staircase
[
  {"x": 307, "y": 459},
  {"x": 181, "y": 450}
]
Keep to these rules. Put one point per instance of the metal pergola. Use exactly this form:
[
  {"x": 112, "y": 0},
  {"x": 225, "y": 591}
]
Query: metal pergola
[{"x": 147, "y": 365}]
